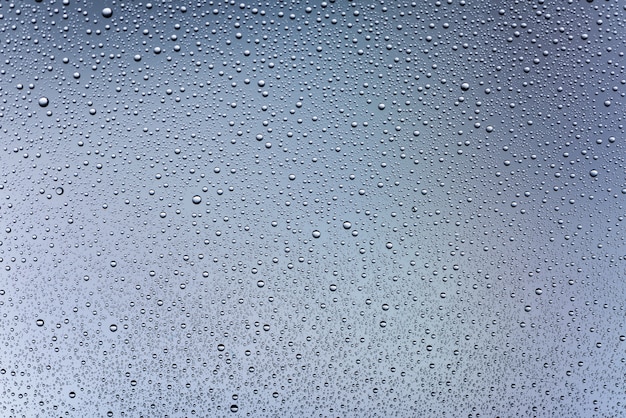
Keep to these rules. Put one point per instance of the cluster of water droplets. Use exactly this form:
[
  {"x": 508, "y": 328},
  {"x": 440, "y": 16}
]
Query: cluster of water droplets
[{"x": 325, "y": 208}]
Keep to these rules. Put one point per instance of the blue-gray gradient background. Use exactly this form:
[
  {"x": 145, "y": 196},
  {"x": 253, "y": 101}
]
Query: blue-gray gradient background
[{"x": 410, "y": 209}]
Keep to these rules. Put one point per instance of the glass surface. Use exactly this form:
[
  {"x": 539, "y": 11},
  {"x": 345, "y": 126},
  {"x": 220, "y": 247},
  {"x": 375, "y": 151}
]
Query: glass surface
[{"x": 312, "y": 208}]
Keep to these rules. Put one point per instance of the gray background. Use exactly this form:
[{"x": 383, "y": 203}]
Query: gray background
[{"x": 482, "y": 270}]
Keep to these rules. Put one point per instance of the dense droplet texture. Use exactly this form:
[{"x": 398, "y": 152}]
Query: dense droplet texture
[{"x": 312, "y": 208}]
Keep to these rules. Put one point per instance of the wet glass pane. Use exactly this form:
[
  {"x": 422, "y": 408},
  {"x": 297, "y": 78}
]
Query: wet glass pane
[{"x": 312, "y": 208}]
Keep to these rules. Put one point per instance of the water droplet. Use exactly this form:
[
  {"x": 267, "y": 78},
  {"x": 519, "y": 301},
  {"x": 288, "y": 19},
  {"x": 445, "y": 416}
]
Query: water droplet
[
  {"x": 59, "y": 191},
  {"x": 44, "y": 102},
  {"x": 196, "y": 199},
  {"x": 260, "y": 283},
  {"x": 39, "y": 322},
  {"x": 113, "y": 327},
  {"x": 593, "y": 173},
  {"x": 347, "y": 225},
  {"x": 381, "y": 106},
  {"x": 465, "y": 86},
  {"x": 333, "y": 287},
  {"x": 538, "y": 291},
  {"x": 107, "y": 12}
]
